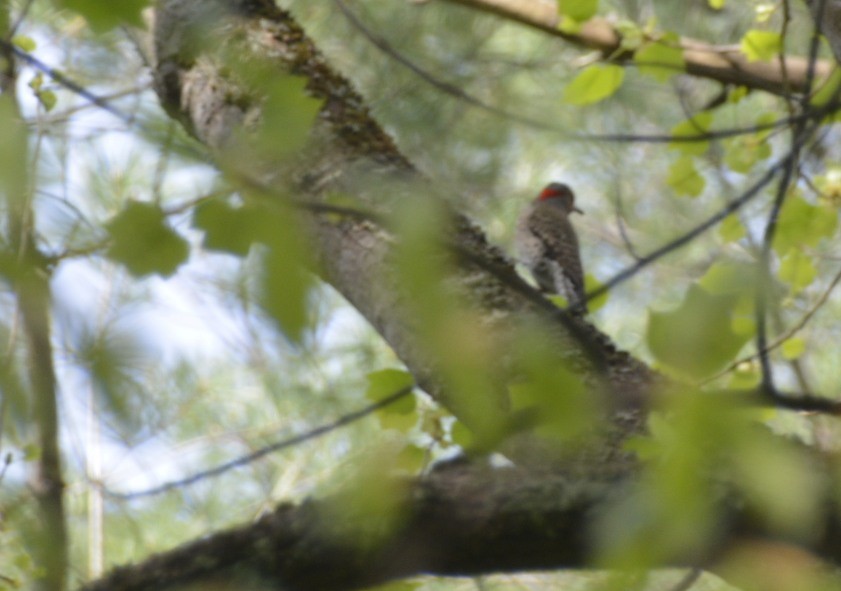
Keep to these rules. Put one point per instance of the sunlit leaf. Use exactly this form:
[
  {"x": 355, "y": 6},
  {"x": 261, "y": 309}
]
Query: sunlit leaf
[
  {"x": 684, "y": 178},
  {"x": 761, "y": 45},
  {"x": 24, "y": 42},
  {"x": 579, "y": 10},
  {"x": 143, "y": 242},
  {"x": 594, "y": 84},
  {"x": 387, "y": 382},
  {"x": 797, "y": 270},
  {"x": 802, "y": 224},
  {"x": 793, "y": 348},
  {"x": 732, "y": 229},
  {"x": 696, "y": 338}
]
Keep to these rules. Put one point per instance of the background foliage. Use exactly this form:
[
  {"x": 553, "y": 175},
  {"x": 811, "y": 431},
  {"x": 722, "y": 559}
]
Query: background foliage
[{"x": 186, "y": 333}]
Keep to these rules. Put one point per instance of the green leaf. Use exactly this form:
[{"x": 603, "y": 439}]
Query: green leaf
[
  {"x": 761, "y": 45},
  {"x": 24, "y": 42},
  {"x": 659, "y": 60},
  {"x": 286, "y": 281},
  {"x": 462, "y": 436},
  {"x": 793, "y": 348},
  {"x": 797, "y": 270},
  {"x": 578, "y": 10},
  {"x": 14, "y": 153},
  {"x": 684, "y": 177},
  {"x": 288, "y": 115},
  {"x": 233, "y": 229},
  {"x": 826, "y": 92},
  {"x": 592, "y": 284},
  {"x": 743, "y": 152},
  {"x": 104, "y": 16},
  {"x": 632, "y": 35},
  {"x": 594, "y": 84},
  {"x": 803, "y": 224},
  {"x": 732, "y": 229},
  {"x": 695, "y": 126},
  {"x": 386, "y": 382},
  {"x": 697, "y": 338},
  {"x": 143, "y": 242},
  {"x": 47, "y": 98},
  {"x": 729, "y": 277}
]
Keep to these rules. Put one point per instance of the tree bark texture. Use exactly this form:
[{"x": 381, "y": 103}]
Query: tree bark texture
[{"x": 462, "y": 518}]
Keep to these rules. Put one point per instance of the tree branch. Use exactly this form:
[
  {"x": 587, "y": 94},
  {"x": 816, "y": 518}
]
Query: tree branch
[{"x": 723, "y": 64}]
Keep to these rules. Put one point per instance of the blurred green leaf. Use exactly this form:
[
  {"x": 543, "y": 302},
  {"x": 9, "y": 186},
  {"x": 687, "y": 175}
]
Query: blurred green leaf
[
  {"x": 697, "y": 125},
  {"x": 732, "y": 229},
  {"x": 288, "y": 115},
  {"x": 802, "y": 224},
  {"x": 143, "y": 242},
  {"x": 828, "y": 89},
  {"x": 578, "y": 10},
  {"x": 411, "y": 459},
  {"x": 742, "y": 153},
  {"x": 591, "y": 283},
  {"x": 285, "y": 280},
  {"x": 14, "y": 151},
  {"x": 797, "y": 270},
  {"x": 594, "y": 84},
  {"x": 761, "y": 45},
  {"x": 461, "y": 435},
  {"x": 104, "y": 16},
  {"x": 387, "y": 382},
  {"x": 25, "y": 43},
  {"x": 793, "y": 348},
  {"x": 684, "y": 178},
  {"x": 402, "y": 414},
  {"x": 781, "y": 482},
  {"x": 233, "y": 229},
  {"x": 696, "y": 338},
  {"x": 552, "y": 399},
  {"x": 730, "y": 277},
  {"x": 660, "y": 60}
]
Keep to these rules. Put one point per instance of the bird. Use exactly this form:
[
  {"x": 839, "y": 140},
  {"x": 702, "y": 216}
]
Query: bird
[{"x": 548, "y": 246}]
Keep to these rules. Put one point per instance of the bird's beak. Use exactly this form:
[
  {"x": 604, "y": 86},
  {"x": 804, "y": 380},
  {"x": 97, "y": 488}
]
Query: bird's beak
[{"x": 575, "y": 209}]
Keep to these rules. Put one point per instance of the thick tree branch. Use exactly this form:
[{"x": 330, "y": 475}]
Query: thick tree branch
[{"x": 462, "y": 520}]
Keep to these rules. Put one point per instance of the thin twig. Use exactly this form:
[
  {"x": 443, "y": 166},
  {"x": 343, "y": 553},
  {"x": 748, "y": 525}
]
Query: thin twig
[{"x": 263, "y": 451}]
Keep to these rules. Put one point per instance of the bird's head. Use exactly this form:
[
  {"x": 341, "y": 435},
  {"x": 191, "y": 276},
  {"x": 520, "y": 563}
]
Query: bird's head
[{"x": 559, "y": 195}]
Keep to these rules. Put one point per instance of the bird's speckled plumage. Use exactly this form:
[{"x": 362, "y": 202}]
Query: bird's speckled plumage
[{"x": 548, "y": 246}]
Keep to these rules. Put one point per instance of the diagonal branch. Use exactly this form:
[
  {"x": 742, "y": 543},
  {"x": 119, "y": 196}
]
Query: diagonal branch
[{"x": 723, "y": 64}]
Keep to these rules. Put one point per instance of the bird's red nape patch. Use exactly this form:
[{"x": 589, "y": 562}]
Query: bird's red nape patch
[{"x": 555, "y": 190}]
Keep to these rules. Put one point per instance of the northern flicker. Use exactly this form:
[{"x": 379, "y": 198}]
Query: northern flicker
[{"x": 547, "y": 244}]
